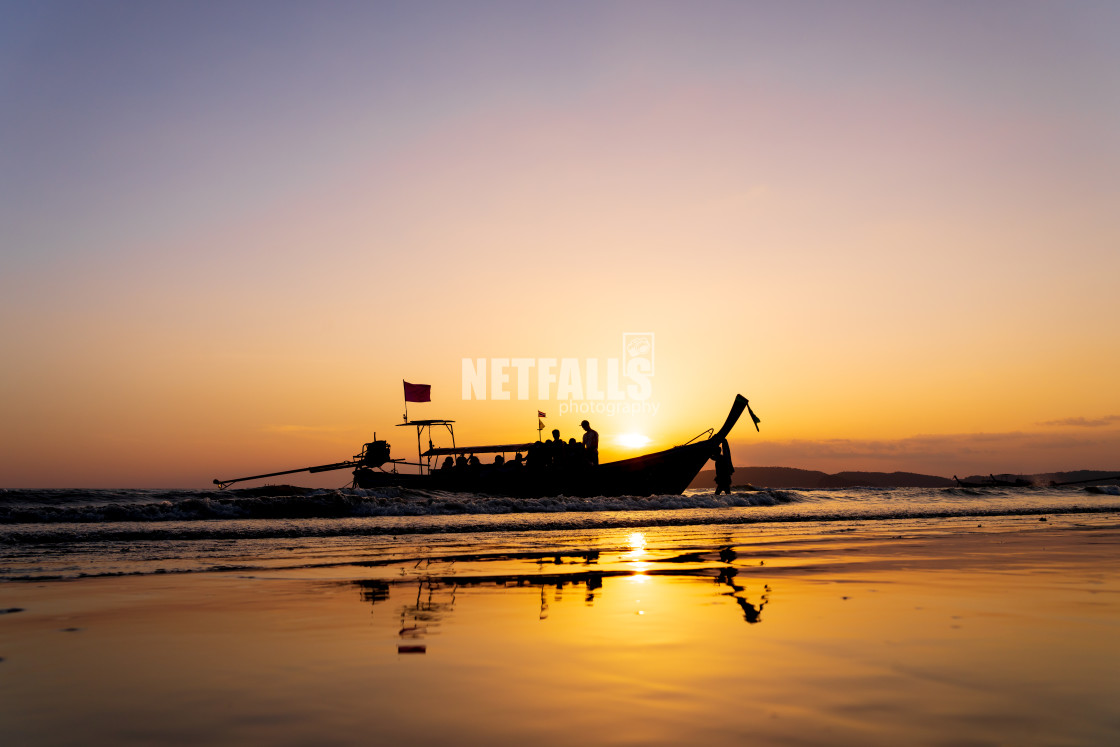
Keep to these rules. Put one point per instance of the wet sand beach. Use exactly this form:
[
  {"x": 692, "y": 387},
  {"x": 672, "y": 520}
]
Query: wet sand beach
[{"x": 998, "y": 630}]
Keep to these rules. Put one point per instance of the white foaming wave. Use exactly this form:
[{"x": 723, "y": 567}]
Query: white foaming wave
[
  {"x": 151, "y": 507},
  {"x": 434, "y": 503},
  {"x": 167, "y": 506}
]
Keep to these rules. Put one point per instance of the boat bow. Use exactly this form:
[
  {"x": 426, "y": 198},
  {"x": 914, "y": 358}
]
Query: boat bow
[{"x": 737, "y": 408}]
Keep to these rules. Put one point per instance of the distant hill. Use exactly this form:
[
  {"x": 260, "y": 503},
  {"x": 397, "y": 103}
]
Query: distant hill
[
  {"x": 886, "y": 480},
  {"x": 791, "y": 477}
]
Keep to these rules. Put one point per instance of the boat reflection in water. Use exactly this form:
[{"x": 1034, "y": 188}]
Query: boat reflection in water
[{"x": 425, "y": 597}]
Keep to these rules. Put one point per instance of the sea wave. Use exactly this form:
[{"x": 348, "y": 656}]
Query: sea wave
[
  {"x": 55, "y": 507},
  {"x": 40, "y": 518}
]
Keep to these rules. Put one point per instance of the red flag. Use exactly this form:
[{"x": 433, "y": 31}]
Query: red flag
[
  {"x": 417, "y": 392},
  {"x": 541, "y": 414}
]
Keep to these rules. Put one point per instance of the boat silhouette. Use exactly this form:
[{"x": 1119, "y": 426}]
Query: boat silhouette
[
  {"x": 658, "y": 473},
  {"x": 1003, "y": 481}
]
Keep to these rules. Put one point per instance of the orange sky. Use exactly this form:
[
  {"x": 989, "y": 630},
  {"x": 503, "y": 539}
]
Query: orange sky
[{"x": 229, "y": 233}]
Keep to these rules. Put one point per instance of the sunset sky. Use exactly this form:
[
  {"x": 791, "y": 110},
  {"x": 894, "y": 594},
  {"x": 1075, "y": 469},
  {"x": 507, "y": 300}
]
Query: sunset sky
[{"x": 229, "y": 230}]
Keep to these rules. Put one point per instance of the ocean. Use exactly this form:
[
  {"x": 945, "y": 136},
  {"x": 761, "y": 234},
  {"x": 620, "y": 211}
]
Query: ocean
[
  {"x": 289, "y": 616},
  {"x": 74, "y": 533}
]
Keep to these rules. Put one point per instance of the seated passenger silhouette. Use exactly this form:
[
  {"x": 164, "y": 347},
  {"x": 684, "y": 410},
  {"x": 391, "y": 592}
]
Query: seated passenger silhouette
[
  {"x": 555, "y": 453},
  {"x": 536, "y": 457}
]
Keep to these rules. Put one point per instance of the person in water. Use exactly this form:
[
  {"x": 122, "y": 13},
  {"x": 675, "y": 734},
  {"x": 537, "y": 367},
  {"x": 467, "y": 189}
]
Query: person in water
[
  {"x": 590, "y": 443},
  {"x": 724, "y": 468}
]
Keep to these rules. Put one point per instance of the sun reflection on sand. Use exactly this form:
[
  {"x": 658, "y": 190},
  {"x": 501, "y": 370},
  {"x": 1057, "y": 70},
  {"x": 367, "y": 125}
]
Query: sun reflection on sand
[
  {"x": 636, "y": 557},
  {"x": 637, "y": 542}
]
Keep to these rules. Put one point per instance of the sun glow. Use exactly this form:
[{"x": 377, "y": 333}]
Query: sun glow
[{"x": 632, "y": 440}]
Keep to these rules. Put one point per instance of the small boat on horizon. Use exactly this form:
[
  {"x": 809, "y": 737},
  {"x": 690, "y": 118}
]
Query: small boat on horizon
[
  {"x": 664, "y": 472},
  {"x": 1003, "y": 481}
]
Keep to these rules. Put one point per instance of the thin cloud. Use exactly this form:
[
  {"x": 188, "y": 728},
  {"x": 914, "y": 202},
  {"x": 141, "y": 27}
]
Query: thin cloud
[{"x": 1084, "y": 422}]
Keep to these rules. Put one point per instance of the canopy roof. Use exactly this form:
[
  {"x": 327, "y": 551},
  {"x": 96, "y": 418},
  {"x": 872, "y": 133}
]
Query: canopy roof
[{"x": 500, "y": 449}]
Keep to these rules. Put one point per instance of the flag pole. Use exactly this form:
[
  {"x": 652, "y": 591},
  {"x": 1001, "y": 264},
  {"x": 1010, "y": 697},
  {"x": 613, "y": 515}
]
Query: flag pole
[{"x": 405, "y": 389}]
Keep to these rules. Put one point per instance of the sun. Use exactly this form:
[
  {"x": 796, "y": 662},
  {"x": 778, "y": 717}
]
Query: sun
[{"x": 632, "y": 440}]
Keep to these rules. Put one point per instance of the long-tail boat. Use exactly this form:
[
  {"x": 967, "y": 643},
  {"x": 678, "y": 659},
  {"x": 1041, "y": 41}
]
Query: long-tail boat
[
  {"x": 659, "y": 473},
  {"x": 1004, "y": 481}
]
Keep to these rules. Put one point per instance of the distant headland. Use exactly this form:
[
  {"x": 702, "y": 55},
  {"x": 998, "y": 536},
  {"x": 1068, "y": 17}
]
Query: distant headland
[{"x": 791, "y": 477}]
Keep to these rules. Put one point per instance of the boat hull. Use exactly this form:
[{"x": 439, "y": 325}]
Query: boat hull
[{"x": 661, "y": 473}]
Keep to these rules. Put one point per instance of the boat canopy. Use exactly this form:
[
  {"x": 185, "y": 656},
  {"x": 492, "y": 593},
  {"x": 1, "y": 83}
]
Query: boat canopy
[{"x": 500, "y": 449}]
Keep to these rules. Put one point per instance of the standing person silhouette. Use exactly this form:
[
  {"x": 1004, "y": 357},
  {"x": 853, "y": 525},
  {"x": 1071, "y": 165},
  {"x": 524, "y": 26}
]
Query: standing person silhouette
[
  {"x": 590, "y": 443},
  {"x": 724, "y": 468}
]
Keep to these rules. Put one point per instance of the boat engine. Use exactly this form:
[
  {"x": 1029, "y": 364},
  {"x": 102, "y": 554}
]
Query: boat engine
[{"x": 374, "y": 454}]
